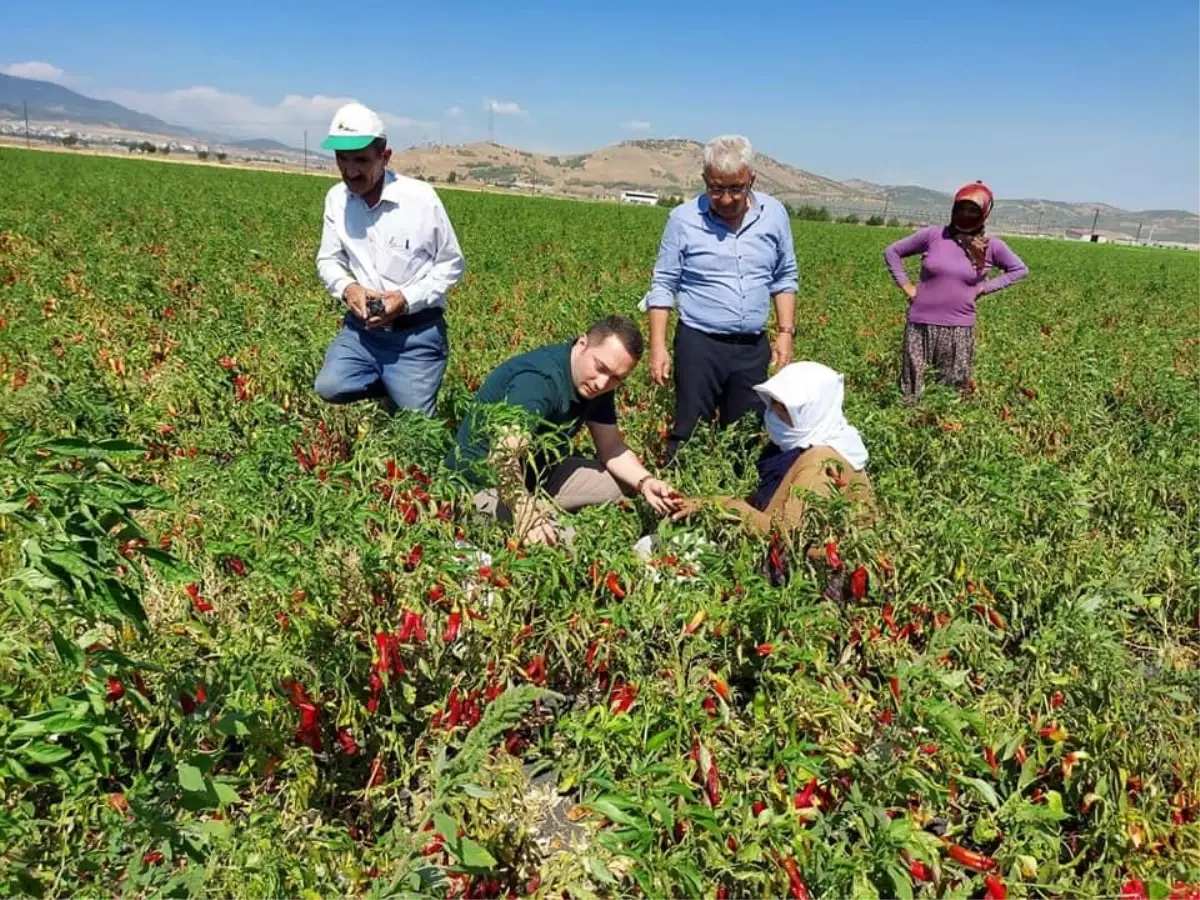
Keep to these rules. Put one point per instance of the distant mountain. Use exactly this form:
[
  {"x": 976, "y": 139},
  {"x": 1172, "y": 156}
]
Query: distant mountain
[
  {"x": 266, "y": 145},
  {"x": 49, "y": 102}
]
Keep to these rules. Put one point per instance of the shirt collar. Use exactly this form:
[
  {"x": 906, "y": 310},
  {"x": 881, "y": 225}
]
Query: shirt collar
[
  {"x": 752, "y": 214},
  {"x": 391, "y": 190}
]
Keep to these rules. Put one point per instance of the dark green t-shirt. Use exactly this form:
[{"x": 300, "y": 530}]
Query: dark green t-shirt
[{"x": 538, "y": 383}]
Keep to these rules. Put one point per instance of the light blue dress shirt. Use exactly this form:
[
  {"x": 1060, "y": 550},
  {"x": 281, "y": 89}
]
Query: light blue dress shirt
[{"x": 724, "y": 280}]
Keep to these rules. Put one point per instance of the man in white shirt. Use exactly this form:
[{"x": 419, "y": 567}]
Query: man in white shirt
[{"x": 389, "y": 252}]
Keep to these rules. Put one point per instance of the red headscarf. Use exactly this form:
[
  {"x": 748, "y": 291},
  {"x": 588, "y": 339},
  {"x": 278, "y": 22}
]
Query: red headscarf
[{"x": 974, "y": 243}]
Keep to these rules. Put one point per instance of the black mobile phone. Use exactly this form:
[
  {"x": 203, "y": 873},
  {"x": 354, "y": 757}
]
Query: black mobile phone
[{"x": 375, "y": 306}]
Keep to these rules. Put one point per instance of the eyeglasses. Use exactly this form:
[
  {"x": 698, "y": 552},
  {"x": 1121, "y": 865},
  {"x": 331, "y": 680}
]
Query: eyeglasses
[{"x": 736, "y": 191}]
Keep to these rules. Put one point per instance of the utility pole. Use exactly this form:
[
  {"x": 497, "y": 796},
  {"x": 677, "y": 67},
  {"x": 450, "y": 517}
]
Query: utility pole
[
  {"x": 25, "y": 107},
  {"x": 1095, "y": 219},
  {"x": 306, "y": 150},
  {"x": 1039, "y": 224},
  {"x": 887, "y": 202},
  {"x": 1138, "y": 239}
]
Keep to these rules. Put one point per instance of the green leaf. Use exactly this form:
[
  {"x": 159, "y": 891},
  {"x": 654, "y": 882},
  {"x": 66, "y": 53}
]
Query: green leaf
[
  {"x": 45, "y": 754},
  {"x": 445, "y": 826},
  {"x": 168, "y": 566},
  {"x": 226, "y": 795},
  {"x": 610, "y": 811},
  {"x": 658, "y": 741},
  {"x": 598, "y": 870},
  {"x": 191, "y": 779},
  {"x": 473, "y": 855},
  {"x": 479, "y": 793},
  {"x": 986, "y": 792},
  {"x": 901, "y": 882},
  {"x": 68, "y": 651}
]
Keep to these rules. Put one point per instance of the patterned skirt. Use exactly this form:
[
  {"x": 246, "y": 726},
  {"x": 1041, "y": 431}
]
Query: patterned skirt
[{"x": 950, "y": 349}]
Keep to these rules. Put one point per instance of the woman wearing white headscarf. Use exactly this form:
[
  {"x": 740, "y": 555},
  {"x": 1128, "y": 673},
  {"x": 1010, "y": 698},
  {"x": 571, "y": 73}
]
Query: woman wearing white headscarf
[{"x": 813, "y": 450}]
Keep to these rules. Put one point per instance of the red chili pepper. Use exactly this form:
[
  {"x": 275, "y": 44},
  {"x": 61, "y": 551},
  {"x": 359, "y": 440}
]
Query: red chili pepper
[
  {"x": 494, "y": 690},
  {"x": 1181, "y": 891},
  {"x": 436, "y": 722},
  {"x": 722, "y": 891},
  {"x": 590, "y": 656},
  {"x": 719, "y": 686},
  {"x": 977, "y": 862},
  {"x": 613, "y": 584},
  {"x": 990, "y": 755},
  {"x": 994, "y": 618},
  {"x": 376, "y": 776},
  {"x": 349, "y": 747},
  {"x": 436, "y": 593},
  {"x": 383, "y": 643},
  {"x": 116, "y": 690},
  {"x": 1056, "y": 700},
  {"x": 141, "y": 687},
  {"x": 452, "y": 626},
  {"x": 536, "y": 670},
  {"x": 475, "y": 615},
  {"x": 885, "y": 717},
  {"x": 895, "y": 685},
  {"x": 414, "y": 558},
  {"x": 831, "y": 555},
  {"x": 797, "y": 889},
  {"x": 995, "y": 888},
  {"x": 1134, "y": 889},
  {"x": 456, "y": 709},
  {"x": 709, "y": 705},
  {"x": 201, "y": 605},
  {"x": 757, "y": 808},
  {"x": 376, "y": 684},
  {"x": 919, "y": 871},
  {"x": 623, "y": 697},
  {"x": 859, "y": 583},
  {"x": 594, "y": 574},
  {"x": 710, "y": 775},
  {"x": 889, "y": 618},
  {"x": 153, "y": 858},
  {"x": 236, "y": 566},
  {"x": 804, "y": 796},
  {"x": 188, "y": 704}
]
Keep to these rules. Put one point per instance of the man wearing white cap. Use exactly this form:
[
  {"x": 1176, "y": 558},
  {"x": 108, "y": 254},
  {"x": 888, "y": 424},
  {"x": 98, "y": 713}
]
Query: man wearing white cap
[{"x": 389, "y": 252}]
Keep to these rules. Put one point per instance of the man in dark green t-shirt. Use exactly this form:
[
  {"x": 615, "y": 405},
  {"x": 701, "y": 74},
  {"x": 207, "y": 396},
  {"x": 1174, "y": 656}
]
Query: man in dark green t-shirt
[{"x": 545, "y": 397}]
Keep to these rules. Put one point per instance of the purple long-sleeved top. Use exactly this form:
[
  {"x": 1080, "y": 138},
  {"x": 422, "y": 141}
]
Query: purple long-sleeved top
[{"x": 949, "y": 282}]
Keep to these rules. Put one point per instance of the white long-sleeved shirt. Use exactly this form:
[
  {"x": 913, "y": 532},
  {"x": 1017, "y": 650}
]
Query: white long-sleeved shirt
[{"x": 404, "y": 243}]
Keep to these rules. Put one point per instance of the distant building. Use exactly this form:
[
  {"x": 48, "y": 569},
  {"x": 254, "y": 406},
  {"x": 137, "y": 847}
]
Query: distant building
[
  {"x": 1077, "y": 234},
  {"x": 643, "y": 198}
]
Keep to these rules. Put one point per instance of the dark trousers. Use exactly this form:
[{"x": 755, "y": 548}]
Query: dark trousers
[{"x": 715, "y": 374}]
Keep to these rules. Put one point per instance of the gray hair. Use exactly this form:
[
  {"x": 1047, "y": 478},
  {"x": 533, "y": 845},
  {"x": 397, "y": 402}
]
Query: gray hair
[{"x": 728, "y": 153}]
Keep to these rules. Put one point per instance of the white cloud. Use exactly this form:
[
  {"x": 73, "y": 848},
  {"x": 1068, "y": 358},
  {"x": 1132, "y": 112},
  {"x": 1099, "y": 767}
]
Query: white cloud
[
  {"x": 209, "y": 109},
  {"x": 505, "y": 108},
  {"x": 636, "y": 125},
  {"x": 42, "y": 71},
  {"x": 454, "y": 112}
]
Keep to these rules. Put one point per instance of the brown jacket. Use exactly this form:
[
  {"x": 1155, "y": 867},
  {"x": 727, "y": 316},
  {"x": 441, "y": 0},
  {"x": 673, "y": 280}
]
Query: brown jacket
[{"x": 817, "y": 470}]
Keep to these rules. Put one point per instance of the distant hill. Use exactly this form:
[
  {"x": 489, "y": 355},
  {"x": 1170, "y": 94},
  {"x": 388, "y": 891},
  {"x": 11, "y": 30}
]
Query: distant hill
[
  {"x": 265, "y": 145},
  {"x": 669, "y": 167},
  {"x": 49, "y": 102},
  {"x": 672, "y": 168}
]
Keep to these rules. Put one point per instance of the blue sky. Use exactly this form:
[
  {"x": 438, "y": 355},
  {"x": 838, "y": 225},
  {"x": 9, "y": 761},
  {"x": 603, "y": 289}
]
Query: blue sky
[{"x": 1095, "y": 101}]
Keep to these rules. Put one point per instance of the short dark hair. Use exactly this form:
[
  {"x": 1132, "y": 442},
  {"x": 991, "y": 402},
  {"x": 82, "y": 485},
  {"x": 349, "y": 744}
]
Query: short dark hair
[
  {"x": 378, "y": 145},
  {"x": 623, "y": 329}
]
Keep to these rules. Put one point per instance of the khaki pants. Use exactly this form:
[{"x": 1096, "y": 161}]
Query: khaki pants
[{"x": 572, "y": 484}]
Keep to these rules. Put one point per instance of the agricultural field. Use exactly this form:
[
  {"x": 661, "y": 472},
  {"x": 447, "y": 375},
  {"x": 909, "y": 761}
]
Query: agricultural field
[{"x": 250, "y": 646}]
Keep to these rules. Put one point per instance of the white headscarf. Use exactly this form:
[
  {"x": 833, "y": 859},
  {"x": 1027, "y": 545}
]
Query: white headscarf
[{"x": 812, "y": 394}]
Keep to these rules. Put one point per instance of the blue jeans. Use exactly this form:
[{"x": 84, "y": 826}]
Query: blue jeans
[{"x": 406, "y": 365}]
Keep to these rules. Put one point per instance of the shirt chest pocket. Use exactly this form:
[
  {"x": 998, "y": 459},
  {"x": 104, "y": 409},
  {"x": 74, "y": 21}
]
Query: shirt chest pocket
[{"x": 399, "y": 259}]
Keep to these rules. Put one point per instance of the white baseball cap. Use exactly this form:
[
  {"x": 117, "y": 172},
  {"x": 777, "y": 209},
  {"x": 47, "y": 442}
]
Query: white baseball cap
[{"x": 353, "y": 128}]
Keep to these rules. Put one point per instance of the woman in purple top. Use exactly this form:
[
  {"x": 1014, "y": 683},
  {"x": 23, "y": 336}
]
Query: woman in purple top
[{"x": 954, "y": 268}]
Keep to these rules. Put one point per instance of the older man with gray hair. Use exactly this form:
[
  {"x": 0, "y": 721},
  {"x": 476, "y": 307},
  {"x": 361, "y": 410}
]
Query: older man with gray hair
[{"x": 726, "y": 255}]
